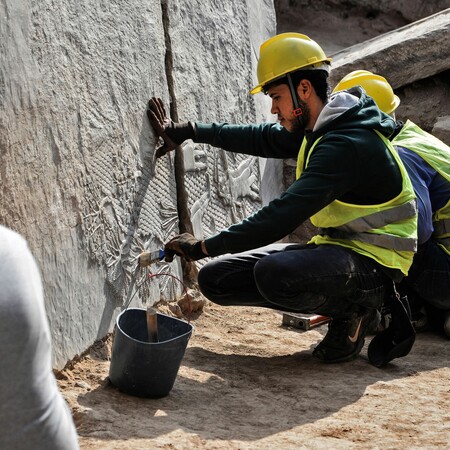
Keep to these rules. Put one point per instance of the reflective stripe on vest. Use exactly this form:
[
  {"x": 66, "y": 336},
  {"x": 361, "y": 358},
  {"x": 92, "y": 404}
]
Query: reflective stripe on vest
[
  {"x": 442, "y": 227},
  {"x": 441, "y": 224},
  {"x": 358, "y": 229},
  {"x": 441, "y": 233}
]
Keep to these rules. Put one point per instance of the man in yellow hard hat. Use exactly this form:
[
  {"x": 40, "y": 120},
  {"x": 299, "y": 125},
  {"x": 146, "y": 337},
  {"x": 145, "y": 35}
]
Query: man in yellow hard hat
[
  {"x": 350, "y": 183},
  {"x": 427, "y": 160}
]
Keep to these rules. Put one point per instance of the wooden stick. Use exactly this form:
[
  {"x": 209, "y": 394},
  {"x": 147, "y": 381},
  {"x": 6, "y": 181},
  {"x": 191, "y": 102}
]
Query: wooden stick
[{"x": 152, "y": 324}]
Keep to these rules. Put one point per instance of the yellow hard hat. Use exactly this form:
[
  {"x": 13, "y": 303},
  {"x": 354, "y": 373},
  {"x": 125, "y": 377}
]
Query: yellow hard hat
[
  {"x": 285, "y": 53},
  {"x": 375, "y": 85}
]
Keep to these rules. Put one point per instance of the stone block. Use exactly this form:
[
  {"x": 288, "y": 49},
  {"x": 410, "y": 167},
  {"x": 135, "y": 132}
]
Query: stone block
[
  {"x": 413, "y": 52},
  {"x": 441, "y": 129}
]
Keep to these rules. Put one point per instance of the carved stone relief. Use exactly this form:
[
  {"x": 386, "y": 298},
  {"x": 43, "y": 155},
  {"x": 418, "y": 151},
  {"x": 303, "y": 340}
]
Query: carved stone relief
[
  {"x": 223, "y": 188},
  {"x": 79, "y": 177},
  {"x": 130, "y": 206}
]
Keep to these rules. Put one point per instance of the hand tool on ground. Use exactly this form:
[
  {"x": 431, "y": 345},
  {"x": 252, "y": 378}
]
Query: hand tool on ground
[{"x": 304, "y": 321}]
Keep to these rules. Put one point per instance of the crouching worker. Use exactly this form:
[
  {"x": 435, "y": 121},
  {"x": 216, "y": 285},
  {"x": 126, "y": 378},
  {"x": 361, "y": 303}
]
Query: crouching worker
[
  {"x": 350, "y": 182},
  {"x": 427, "y": 161}
]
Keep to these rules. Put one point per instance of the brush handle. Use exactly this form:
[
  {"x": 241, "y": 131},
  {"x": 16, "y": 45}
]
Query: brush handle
[{"x": 152, "y": 324}]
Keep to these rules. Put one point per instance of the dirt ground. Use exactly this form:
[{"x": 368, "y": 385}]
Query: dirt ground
[{"x": 247, "y": 382}]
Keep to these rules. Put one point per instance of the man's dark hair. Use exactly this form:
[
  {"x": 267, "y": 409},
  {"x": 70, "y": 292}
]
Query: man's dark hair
[{"x": 318, "y": 79}]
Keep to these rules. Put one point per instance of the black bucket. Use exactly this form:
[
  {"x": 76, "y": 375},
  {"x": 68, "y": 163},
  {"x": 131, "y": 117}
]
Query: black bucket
[{"x": 142, "y": 368}]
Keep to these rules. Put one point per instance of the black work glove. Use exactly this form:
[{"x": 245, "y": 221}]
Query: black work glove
[
  {"x": 184, "y": 245},
  {"x": 173, "y": 134}
]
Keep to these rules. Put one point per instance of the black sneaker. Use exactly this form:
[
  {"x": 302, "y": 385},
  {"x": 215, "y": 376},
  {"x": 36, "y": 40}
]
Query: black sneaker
[{"x": 345, "y": 337}]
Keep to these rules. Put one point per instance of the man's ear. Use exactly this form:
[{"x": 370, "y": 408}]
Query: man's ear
[{"x": 304, "y": 89}]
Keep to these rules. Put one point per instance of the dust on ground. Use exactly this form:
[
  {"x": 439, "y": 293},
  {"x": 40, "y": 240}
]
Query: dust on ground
[{"x": 248, "y": 382}]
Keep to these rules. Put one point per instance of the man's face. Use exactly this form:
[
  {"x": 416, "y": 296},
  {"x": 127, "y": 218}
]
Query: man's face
[{"x": 283, "y": 107}]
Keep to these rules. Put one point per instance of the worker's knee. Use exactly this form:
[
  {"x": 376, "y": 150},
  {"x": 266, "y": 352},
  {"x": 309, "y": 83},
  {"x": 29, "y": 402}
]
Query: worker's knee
[
  {"x": 208, "y": 283},
  {"x": 268, "y": 279},
  {"x": 280, "y": 285}
]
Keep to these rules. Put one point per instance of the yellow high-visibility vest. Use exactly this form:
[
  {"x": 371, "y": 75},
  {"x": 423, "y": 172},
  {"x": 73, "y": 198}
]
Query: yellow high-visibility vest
[
  {"x": 386, "y": 232},
  {"x": 437, "y": 154}
]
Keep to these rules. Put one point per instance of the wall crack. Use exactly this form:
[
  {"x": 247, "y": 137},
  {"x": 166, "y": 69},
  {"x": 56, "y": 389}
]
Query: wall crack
[{"x": 184, "y": 217}]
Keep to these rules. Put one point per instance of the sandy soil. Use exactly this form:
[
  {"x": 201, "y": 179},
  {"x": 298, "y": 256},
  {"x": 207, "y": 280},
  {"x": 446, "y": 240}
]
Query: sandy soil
[{"x": 247, "y": 382}]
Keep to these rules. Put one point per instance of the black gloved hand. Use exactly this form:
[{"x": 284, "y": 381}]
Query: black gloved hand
[
  {"x": 173, "y": 134},
  {"x": 184, "y": 245}
]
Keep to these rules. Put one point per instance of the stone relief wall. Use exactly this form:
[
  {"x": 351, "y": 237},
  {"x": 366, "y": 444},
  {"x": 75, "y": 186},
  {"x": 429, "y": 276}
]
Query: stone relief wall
[
  {"x": 78, "y": 172},
  {"x": 213, "y": 86}
]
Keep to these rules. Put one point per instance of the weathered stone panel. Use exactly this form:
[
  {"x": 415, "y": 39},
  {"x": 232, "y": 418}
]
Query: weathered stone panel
[
  {"x": 213, "y": 84},
  {"x": 78, "y": 174},
  {"x": 75, "y": 149}
]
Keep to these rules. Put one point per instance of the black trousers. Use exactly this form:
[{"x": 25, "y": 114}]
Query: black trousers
[{"x": 325, "y": 279}]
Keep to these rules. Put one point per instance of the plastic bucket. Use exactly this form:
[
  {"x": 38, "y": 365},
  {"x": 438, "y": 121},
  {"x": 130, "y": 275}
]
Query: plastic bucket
[{"x": 142, "y": 368}]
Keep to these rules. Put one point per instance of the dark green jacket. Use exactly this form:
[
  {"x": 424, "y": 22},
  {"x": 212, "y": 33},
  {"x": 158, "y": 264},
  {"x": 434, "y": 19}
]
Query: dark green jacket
[{"x": 350, "y": 163}]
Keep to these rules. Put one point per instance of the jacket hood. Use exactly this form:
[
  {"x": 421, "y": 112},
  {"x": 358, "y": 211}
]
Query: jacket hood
[{"x": 353, "y": 109}]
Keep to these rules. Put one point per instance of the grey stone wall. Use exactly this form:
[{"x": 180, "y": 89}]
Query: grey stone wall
[{"x": 78, "y": 173}]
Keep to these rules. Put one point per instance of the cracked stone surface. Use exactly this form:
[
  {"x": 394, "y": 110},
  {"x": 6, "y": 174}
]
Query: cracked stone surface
[{"x": 78, "y": 170}]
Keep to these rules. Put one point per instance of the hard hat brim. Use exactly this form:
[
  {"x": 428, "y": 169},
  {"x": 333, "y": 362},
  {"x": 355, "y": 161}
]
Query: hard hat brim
[
  {"x": 256, "y": 90},
  {"x": 322, "y": 65}
]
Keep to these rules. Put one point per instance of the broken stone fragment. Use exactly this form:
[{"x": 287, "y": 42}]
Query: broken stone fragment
[{"x": 441, "y": 129}]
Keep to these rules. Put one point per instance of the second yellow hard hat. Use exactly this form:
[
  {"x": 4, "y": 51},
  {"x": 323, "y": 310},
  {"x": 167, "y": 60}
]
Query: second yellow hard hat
[{"x": 375, "y": 85}]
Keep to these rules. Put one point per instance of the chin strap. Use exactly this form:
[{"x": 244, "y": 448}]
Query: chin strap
[{"x": 298, "y": 111}]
